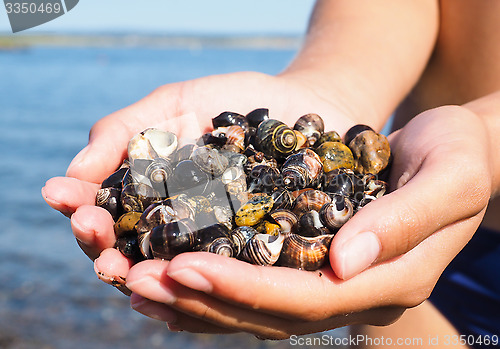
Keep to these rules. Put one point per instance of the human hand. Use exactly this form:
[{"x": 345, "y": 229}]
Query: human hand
[
  {"x": 442, "y": 178},
  {"x": 74, "y": 195}
]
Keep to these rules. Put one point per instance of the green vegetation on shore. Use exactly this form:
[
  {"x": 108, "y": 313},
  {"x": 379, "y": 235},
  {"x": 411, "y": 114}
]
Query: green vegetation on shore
[{"x": 16, "y": 41}]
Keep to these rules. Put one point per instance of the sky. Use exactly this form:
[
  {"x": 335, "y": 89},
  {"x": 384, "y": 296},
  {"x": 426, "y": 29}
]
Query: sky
[{"x": 178, "y": 16}]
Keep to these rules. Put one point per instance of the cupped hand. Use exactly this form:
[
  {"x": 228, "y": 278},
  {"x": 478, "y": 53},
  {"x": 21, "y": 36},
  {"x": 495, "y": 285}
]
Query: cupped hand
[
  {"x": 387, "y": 258},
  {"x": 185, "y": 108}
]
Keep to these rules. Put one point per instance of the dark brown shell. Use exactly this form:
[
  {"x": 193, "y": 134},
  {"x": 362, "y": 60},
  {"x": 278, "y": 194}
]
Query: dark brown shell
[
  {"x": 307, "y": 253},
  {"x": 168, "y": 240},
  {"x": 310, "y": 200},
  {"x": 301, "y": 170},
  {"x": 335, "y": 214},
  {"x": 312, "y": 126}
]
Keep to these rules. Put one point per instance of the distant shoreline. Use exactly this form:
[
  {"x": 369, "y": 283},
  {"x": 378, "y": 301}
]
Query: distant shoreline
[{"x": 12, "y": 42}]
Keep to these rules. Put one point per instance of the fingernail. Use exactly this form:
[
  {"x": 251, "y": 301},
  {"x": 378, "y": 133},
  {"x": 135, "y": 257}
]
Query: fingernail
[
  {"x": 358, "y": 253},
  {"x": 78, "y": 159},
  {"x": 192, "y": 279},
  {"x": 152, "y": 288},
  {"x": 152, "y": 309}
]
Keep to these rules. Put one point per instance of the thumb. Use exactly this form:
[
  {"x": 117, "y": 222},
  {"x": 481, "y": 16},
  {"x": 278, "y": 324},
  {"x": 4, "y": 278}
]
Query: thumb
[{"x": 442, "y": 191}]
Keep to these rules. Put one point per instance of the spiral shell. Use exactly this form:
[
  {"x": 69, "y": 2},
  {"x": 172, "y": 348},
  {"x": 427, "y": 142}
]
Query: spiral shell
[
  {"x": 347, "y": 185},
  {"x": 310, "y": 200},
  {"x": 187, "y": 175},
  {"x": 286, "y": 219},
  {"x": 307, "y": 253},
  {"x": 115, "y": 180},
  {"x": 263, "y": 179},
  {"x": 165, "y": 241},
  {"x": 163, "y": 212},
  {"x": 335, "y": 214},
  {"x": 263, "y": 249},
  {"x": 231, "y": 135},
  {"x": 128, "y": 245},
  {"x": 241, "y": 235},
  {"x": 301, "y": 170},
  {"x": 282, "y": 199},
  {"x": 137, "y": 197},
  {"x": 275, "y": 139},
  {"x": 311, "y": 126},
  {"x": 109, "y": 199},
  {"x": 310, "y": 224},
  {"x": 209, "y": 160},
  {"x": 159, "y": 170},
  {"x": 151, "y": 144}
]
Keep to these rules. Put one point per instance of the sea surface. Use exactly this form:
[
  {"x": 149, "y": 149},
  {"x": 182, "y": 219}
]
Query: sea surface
[{"x": 49, "y": 99}]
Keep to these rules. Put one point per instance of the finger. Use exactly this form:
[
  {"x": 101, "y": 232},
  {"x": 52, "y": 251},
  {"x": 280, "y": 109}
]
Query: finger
[
  {"x": 315, "y": 296},
  {"x": 176, "y": 321},
  {"x": 109, "y": 137},
  {"x": 436, "y": 188},
  {"x": 93, "y": 229},
  {"x": 112, "y": 267},
  {"x": 66, "y": 194},
  {"x": 156, "y": 286}
]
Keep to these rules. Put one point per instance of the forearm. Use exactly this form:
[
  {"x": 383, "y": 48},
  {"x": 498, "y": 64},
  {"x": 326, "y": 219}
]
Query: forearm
[
  {"x": 368, "y": 54},
  {"x": 488, "y": 110}
]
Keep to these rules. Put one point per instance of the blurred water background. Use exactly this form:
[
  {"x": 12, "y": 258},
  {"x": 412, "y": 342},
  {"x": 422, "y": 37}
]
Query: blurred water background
[{"x": 49, "y": 99}]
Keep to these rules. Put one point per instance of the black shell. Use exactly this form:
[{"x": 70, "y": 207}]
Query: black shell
[
  {"x": 310, "y": 224},
  {"x": 109, "y": 199},
  {"x": 137, "y": 197},
  {"x": 345, "y": 184},
  {"x": 275, "y": 139},
  {"x": 264, "y": 179},
  {"x": 354, "y": 131},
  {"x": 255, "y": 117},
  {"x": 228, "y": 118},
  {"x": 115, "y": 180},
  {"x": 188, "y": 175},
  {"x": 129, "y": 247},
  {"x": 168, "y": 240}
]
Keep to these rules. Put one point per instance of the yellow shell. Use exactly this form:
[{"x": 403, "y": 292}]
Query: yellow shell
[{"x": 254, "y": 210}]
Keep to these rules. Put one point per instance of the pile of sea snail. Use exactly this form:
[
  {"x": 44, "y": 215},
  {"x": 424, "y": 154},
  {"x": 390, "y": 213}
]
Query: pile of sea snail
[{"x": 253, "y": 188}]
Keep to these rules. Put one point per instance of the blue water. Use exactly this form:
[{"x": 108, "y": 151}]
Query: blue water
[{"x": 49, "y": 99}]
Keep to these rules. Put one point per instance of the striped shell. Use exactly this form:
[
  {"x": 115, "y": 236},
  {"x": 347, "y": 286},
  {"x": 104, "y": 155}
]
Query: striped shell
[
  {"x": 308, "y": 253},
  {"x": 263, "y": 249}
]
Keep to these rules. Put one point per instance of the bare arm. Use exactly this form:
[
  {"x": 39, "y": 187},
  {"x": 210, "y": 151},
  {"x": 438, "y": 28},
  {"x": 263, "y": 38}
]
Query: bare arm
[{"x": 366, "y": 55}]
